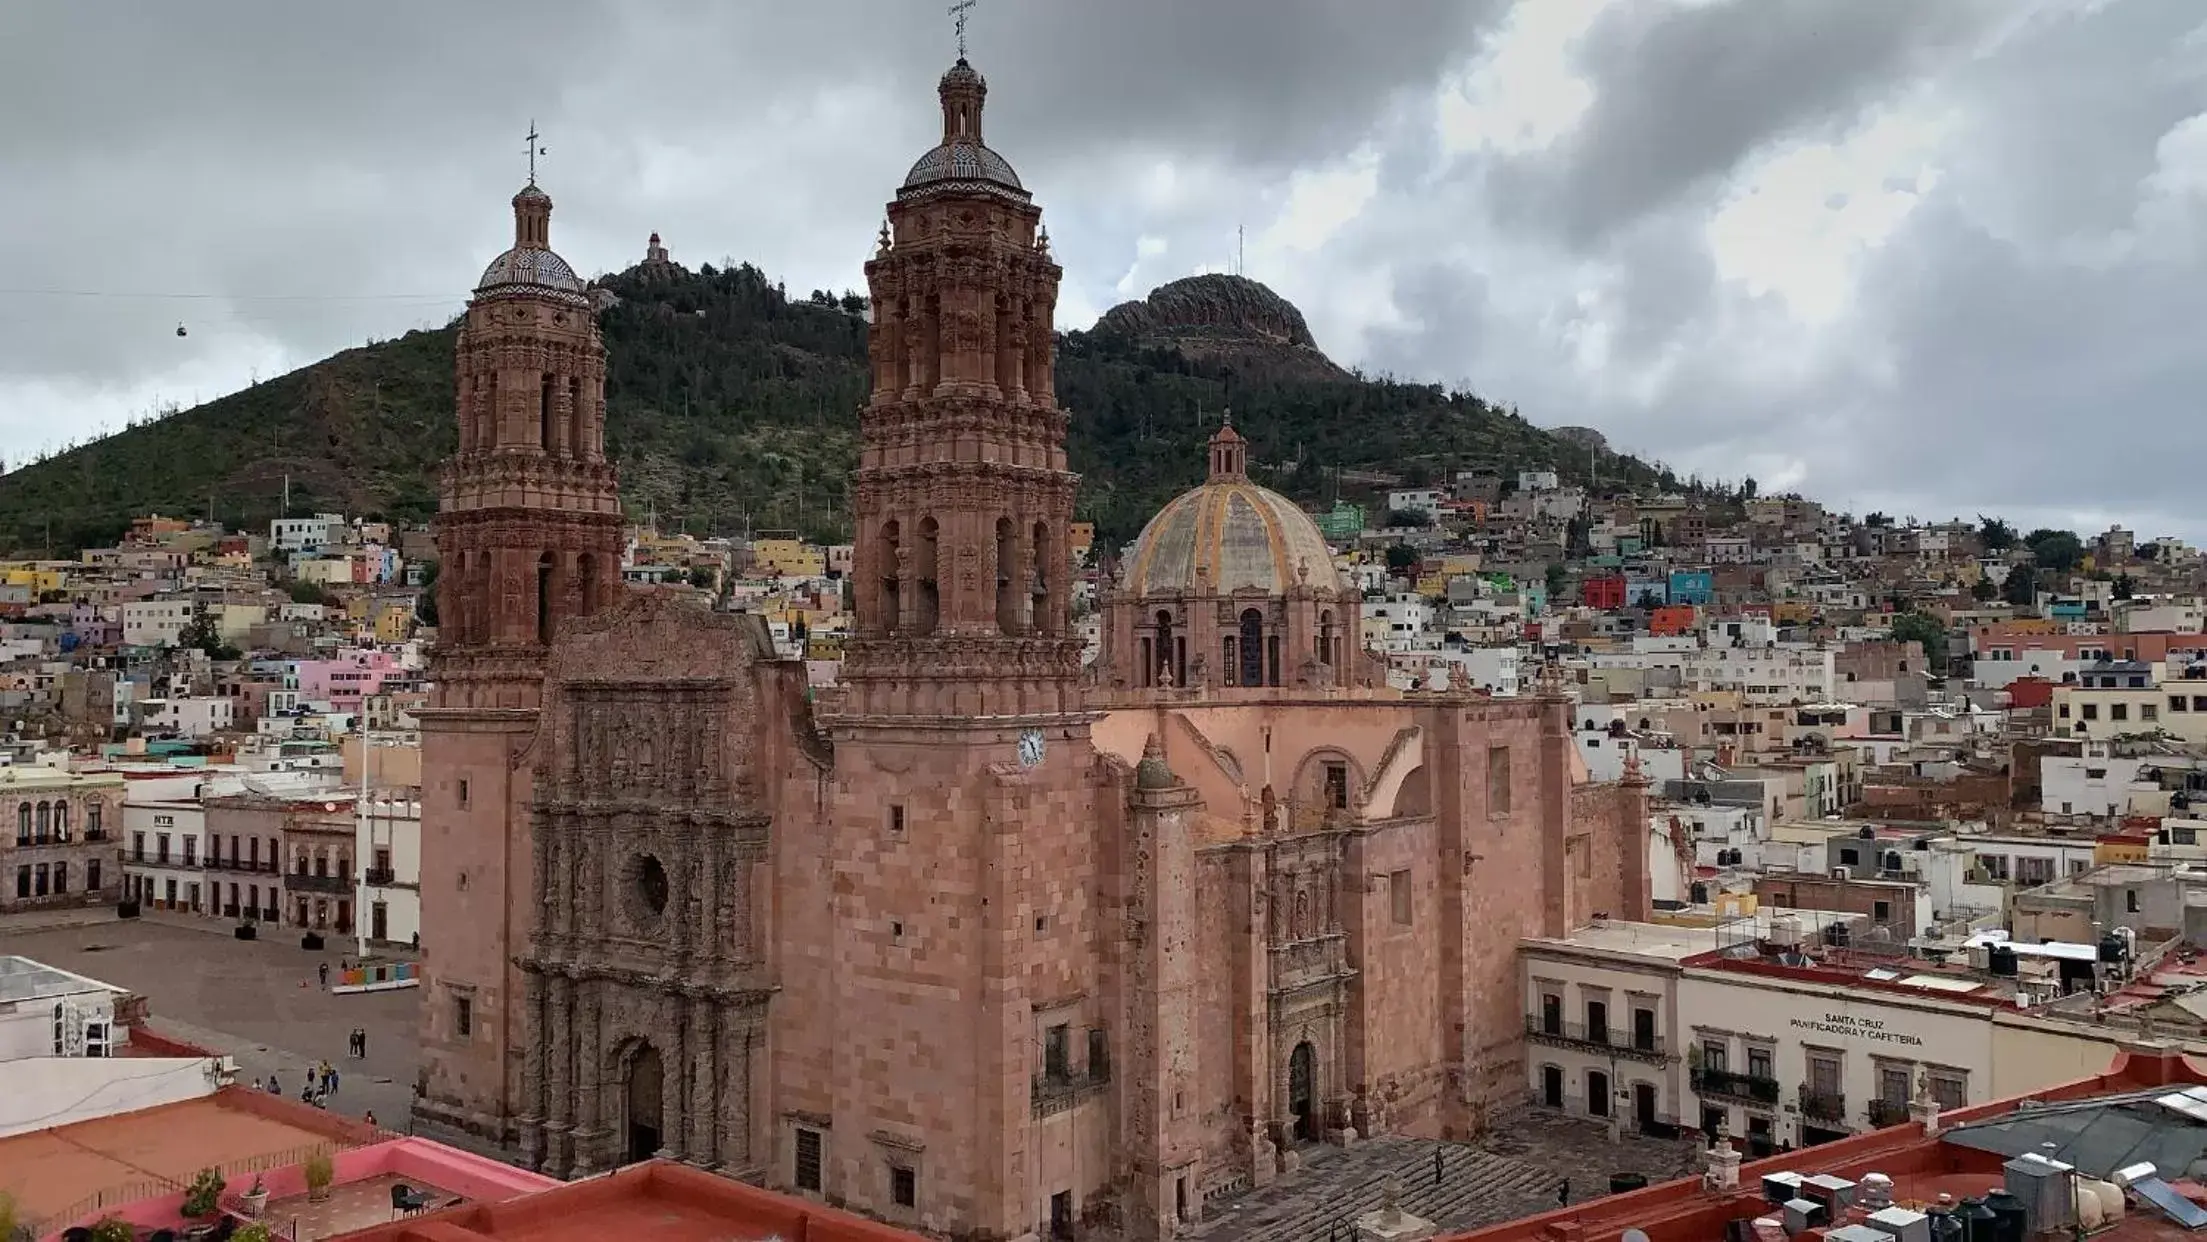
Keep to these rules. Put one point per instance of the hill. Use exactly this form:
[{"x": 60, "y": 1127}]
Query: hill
[{"x": 731, "y": 404}]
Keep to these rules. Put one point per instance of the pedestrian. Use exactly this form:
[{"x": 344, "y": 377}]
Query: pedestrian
[
  {"x": 274, "y": 1087},
  {"x": 1563, "y": 1193},
  {"x": 370, "y": 1118},
  {"x": 1438, "y": 1152},
  {"x": 333, "y": 1080},
  {"x": 363, "y": 1042},
  {"x": 324, "y": 970}
]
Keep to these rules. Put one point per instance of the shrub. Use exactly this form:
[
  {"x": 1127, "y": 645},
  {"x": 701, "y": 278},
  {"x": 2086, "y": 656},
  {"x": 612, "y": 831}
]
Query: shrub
[
  {"x": 319, "y": 1170},
  {"x": 205, "y": 1193}
]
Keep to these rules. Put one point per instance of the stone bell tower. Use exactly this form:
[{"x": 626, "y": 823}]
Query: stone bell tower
[
  {"x": 528, "y": 538},
  {"x": 965, "y": 781}
]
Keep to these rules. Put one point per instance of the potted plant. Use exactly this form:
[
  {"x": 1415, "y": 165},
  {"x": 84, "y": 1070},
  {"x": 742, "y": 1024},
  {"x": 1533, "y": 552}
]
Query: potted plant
[
  {"x": 126, "y": 909},
  {"x": 254, "y": 1232},
  {"x": 8, "y": 1225},
  {"x": 319, "y": 1170},
  {"x": 256, "y": 1198},
  {"x": 247, "y": 931},
  {"x": 204, "y": 1196},
  {"x": 113, "y": 1229}
]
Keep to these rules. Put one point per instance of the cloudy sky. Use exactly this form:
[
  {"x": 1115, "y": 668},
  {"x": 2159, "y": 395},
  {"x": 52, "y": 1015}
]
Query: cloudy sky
[{"x": 1933, "y": 257}]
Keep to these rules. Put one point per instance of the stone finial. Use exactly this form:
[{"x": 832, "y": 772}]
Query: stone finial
[
  {"x": 1635, "y": 772},
  {"x": 885, "y": 243},
  {"x": 1152, "y": 772},
  {"x": 1302, "y": 571},
  {"x": 1042, "y": 239}
]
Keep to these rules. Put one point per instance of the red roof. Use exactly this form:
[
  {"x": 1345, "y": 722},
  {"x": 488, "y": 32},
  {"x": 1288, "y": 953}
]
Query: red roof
[
  {"x": 1921, "y": 1167},
  {"x": 660, "y": 1199}
]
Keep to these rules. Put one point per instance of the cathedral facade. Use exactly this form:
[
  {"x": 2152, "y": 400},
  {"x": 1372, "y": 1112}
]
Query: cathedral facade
[{"x": 984, "y": 942}]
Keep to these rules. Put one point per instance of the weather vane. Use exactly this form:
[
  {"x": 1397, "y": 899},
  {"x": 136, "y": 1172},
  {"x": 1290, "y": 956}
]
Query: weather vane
[
  {"x": 958, "y": 11},
  {"x": 535, "y": 150}
]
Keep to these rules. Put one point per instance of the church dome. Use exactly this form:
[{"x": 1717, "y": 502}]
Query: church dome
[
  {"x": 962, "y": 161},
  {"x": 530, "y": 266},
  {"x": 1239, "y": 534}
]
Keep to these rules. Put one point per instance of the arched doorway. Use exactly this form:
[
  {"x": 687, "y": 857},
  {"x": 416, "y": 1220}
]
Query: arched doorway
[
  {"x": 644, "y": 1077},
  {"x": 1302, "y": 1091},
  {"x": 1551, "y": 1085}
]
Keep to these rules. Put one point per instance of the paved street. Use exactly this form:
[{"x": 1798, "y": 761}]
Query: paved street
[
  {"x": 258, "y": 1001},
  {"x": 1514, "y": 1170}
]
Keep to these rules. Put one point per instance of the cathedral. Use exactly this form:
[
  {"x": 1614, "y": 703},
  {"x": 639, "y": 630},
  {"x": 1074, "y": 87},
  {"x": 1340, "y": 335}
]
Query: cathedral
[{"x": 985, "y": 941}]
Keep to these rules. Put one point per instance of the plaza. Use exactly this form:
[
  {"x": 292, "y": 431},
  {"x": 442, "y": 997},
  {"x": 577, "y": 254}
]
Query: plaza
[{"x": 258, "y": 1001}]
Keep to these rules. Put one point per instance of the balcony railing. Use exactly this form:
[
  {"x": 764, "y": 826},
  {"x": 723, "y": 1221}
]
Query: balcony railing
[
  {"x": 380, "y": 877},
  {"x": 1888, "y": 1112},
  {"x": 1748, "y": 1087},
  {"x": 302, "y": 883},
  {"x": 1647, "y": 1046},
  {"x": 1056, "y": 1092},
  {"x": 1823, "y": 1105}
]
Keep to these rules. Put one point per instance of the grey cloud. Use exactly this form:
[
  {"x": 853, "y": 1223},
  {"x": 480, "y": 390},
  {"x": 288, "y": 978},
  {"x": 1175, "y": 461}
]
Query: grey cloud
[{"x": 1684, "y": 94}]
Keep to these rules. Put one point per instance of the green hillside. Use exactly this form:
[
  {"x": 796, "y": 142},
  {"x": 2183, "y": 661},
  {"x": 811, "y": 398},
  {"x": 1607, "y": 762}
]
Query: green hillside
[{"x": 731, "y": 404}]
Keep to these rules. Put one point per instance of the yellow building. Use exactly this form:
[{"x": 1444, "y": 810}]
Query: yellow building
[
  {"x": 1083, "y": 537},
  {"x": 39, "y": 578},
  {"x": 394, "y": 620},
  {"x": 787, "y": 556}
]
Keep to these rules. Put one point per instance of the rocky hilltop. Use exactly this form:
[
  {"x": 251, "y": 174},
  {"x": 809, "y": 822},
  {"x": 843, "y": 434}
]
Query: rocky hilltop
[{"x": 1231, "y": 318}]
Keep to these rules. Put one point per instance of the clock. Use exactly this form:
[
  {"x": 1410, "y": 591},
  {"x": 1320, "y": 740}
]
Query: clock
[{"x": 1030, "y": 748}]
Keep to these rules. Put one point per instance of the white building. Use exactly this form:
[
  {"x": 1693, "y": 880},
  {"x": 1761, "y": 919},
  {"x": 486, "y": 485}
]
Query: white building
[
  {"x": 165, "y": 843},
  {"x": 1425, "y": 500},
  {"x": 46, "y": 1012},
  {"x": 2094, "y": 785},
  {"x": 194, "y": 716},
  {"x": 389, "y": 843},
  {"x": 1537, "y": 481},
  {"x": 156, "y": 622},
  {"x": 1764, "y": 674},
  {"x": 306, "y": 534}
]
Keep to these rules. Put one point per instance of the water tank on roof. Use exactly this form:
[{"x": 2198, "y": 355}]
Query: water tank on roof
[
  {"x": 1976, "y": 1220},
  {"x": 1700, "y": 894},
  {"x": 2011, "y": 1221},
  {"x": 1867, "y": 833},
  {"x": 2001, "y": 960},
  {"x": 2112, "y": 948},
  {"x": 1835, "y": 935}
]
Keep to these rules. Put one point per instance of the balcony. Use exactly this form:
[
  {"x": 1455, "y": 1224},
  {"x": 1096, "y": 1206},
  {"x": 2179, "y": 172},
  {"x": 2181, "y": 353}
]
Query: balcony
[
  {"x": 1824, "y": 1106},
  {"x": 1608, "y": 1040},
  {"x": 340, "y": 885},
  {"x": 380, "y": 877},
  {"x": 1747, "y": 1088},
  {"x": 1054, "y": 1093},
  {"x": 1885, "y": 1113}
]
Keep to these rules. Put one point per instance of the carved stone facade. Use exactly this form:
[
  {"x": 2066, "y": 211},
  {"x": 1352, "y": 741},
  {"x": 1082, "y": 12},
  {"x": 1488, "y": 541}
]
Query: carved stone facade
[
  {"x": 529, "y": 538},
  {"x": 987, "y": 950}
]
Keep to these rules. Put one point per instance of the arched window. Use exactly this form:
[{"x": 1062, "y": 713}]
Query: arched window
[
  {"x": 578, "y": 420},
  {"x": 546, "y": 574},
  {"x": 1326, "y": 637},
  {"x": 1169, "y": 645},
  {"x": 45, "y": 820},
  {"x": 1251, "y": 672},
  {"x": 1007, "y": 573},
  {"x": 586, "y": 568},
  {"x": 1040, "y": 614},
  {"x": 930, "y": 595},
  {"x": 61, "y": 821},
  {"x": 892, "y": 587},
  {"x": 23, "y": 823}
]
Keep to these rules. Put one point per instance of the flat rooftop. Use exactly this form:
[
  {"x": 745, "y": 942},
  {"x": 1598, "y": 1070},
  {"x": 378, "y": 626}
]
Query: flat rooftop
[
  {"x": 137, "y": 1155},
  {"x": 22, "y": 979}
]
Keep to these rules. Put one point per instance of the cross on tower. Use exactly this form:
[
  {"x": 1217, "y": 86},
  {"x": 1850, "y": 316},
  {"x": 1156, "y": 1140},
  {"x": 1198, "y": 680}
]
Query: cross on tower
[
  {"x": 958, "y": 11},
  {"x": 535, "y": 150}
]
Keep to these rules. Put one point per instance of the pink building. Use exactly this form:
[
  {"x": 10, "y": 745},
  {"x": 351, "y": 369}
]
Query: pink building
[{"x": 345, "y": 681}]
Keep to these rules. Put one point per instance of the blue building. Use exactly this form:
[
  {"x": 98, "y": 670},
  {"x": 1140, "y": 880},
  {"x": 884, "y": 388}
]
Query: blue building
[{"x": 1692, "y": 586}]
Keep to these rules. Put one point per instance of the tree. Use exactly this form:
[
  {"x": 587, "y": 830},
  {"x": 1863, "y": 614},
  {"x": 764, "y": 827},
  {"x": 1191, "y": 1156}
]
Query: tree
[
  {"x": 2124, "y": 587},
  {"x": 1916, "y": 627},
  {"x": 1401, "y": 557},
  {"x": 200, "y": 632},
  {"x": 701, "y": 577},
  {"x": 2020, "y": 587},
  {"x": 1409, "y": 517},
  {"x": 1748, "y": 488},
  {"x": 425, "y": 604},
  {"x": 1877, "y": 519},
  {"x": 1557, "y": 578},
  {"x": 309, "y": 593},
  {"x": 1983, "y": 590},
  {"x": 2055, "y": 550},
  {"x": 1996, "y": 535}
]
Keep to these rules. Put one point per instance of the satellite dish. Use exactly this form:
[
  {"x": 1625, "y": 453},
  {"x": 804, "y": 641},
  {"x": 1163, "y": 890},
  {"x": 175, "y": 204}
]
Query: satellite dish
[{"x": 180, "y": 330}]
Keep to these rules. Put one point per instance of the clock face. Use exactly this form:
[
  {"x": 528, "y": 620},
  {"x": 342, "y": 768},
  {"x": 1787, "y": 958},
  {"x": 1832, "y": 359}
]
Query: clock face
[{"x": 1030, "y": 748}]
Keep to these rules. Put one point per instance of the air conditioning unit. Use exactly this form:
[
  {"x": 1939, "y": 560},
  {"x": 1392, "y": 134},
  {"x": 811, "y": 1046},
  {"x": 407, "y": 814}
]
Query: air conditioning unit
[{"x": 1842, "y": 873}]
